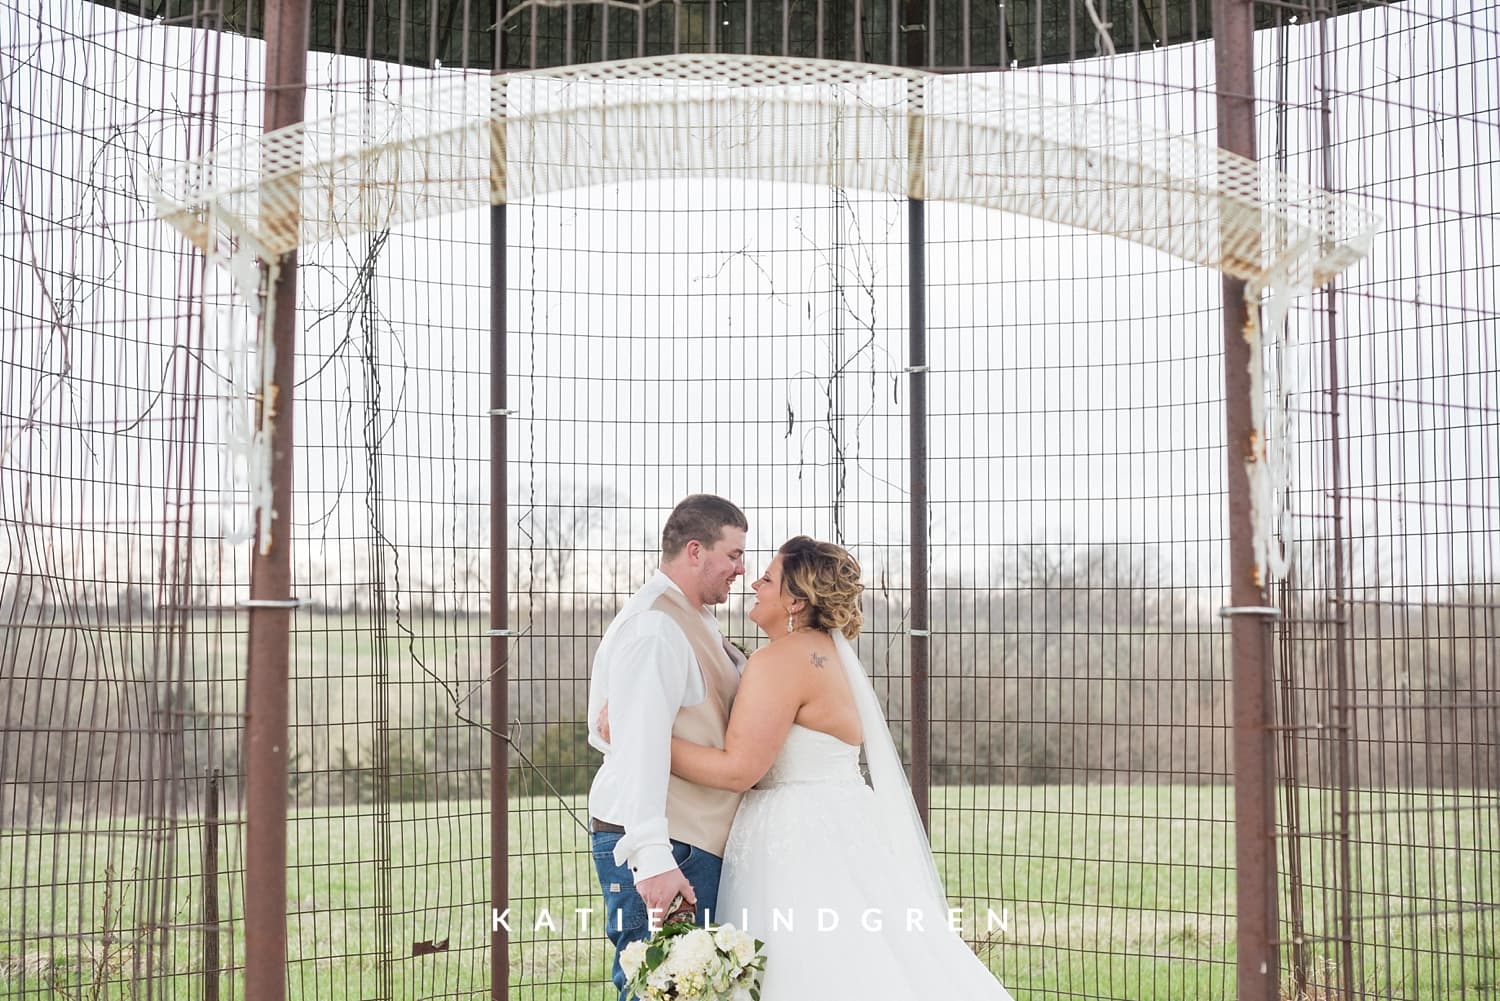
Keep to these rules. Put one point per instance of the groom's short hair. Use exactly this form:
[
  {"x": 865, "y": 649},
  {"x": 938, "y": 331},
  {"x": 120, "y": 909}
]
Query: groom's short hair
[{"x": 701, "y": 518}]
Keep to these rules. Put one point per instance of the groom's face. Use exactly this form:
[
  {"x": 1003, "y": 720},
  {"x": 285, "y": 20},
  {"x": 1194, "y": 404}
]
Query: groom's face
[{"x": 720, "y": 565}]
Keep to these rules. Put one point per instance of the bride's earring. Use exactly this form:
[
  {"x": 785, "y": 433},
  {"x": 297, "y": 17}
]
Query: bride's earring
[{"x": 791, "y": 623}]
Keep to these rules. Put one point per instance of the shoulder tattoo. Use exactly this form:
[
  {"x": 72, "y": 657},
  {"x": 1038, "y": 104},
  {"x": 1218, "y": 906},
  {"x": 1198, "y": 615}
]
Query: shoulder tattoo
[{"x": 818, "y": 660}]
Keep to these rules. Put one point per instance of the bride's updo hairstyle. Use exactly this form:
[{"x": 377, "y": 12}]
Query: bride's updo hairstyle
[{"x": 826, "y": 576}]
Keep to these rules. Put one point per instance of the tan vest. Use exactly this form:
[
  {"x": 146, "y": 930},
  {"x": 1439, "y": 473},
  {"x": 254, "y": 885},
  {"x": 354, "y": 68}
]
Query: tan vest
[{"x": 700, "y": 815}]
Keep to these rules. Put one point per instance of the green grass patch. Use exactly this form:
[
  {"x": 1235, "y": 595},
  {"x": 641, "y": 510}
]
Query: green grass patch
[{"x": 1120, "y": 892}]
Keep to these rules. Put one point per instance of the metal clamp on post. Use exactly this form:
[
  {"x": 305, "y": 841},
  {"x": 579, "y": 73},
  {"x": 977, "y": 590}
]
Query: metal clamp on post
[
  {"x": 919, "y": 632},
  {"x": 502, "y": 412},
  {"x": 1269, "y": 611},
  {"x": 915, "y": 370},
  {"x": 500, "y": 632},
  {"x": 269, "y": 603}
]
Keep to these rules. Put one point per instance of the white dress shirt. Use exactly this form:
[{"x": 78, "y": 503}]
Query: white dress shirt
[{"x": 646, "y": 670}]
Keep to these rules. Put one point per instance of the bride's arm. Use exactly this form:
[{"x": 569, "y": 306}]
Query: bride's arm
[{"x": 764, "y": 709}]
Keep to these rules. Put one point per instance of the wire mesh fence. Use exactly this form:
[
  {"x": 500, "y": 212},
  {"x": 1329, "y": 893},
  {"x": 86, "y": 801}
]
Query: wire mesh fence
[
  {"x": 108, "y": 762},
  {"x": 1385, "y": 683},
  {"x": 752, "y": 340}
]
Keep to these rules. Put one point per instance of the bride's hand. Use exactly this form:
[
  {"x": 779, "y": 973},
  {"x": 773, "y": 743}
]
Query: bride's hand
[{"x": 601, "y": 724}]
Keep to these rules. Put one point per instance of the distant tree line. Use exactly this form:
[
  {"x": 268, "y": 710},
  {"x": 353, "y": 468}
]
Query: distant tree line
[{"x": 1076, "y": 671}]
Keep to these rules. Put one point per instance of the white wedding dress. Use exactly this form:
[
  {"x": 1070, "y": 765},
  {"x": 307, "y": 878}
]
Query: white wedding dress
[{"x": 836, "y": 876}]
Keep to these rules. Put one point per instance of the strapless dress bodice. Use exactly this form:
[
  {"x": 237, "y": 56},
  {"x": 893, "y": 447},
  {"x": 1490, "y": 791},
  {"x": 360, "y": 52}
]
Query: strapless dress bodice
[{"x": 812, "y": 756}]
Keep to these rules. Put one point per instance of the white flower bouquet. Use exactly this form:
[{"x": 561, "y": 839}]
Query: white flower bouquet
[{"x": 683, "y": 962}]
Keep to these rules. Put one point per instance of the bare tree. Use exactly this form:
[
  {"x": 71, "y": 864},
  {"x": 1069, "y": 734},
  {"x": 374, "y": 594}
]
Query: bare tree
[{"x": 554, "y": 528}]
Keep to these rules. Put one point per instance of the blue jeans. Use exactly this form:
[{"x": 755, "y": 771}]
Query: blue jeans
[{"x": 625, "y": 911}]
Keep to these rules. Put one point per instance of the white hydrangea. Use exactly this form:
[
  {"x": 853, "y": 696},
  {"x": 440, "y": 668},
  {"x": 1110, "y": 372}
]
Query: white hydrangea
[
  {"x": 632, "y": 957},
  {"x": 660, "y": 979},
  {"x": 693, "y": 951}
]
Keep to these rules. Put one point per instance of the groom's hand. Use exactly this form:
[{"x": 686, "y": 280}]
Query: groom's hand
[{"x": 659, "y": 890}]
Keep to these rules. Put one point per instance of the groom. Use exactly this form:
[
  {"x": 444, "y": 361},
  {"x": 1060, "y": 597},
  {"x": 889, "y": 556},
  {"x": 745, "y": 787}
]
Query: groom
[{"x": 665, "y": 671}]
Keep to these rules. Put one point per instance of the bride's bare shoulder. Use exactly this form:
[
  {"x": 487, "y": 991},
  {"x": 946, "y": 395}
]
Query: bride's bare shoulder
[{"x": 813, "y": 650}]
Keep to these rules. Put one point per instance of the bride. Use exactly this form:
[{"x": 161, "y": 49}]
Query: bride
[{"x": 835, "y": 875}]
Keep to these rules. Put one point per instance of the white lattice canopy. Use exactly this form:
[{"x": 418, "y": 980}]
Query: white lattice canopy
[{"x": 972, "y": 139}]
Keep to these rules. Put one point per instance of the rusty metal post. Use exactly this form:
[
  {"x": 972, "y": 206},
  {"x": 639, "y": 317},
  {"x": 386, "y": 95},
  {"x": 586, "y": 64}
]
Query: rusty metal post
[
  {"x": 498, "y": 571},
  {"x": 1258, "y": 976},
  {"x": 499, "y": 645},
  {"x": 921, "y": 769},
  {"x": 499, "y": 612},
  {"x": 914, "y": 15},
  {"x": 914, "y": 24},
  {"x": 271, "y": 604},
  {"x": 212, "y": 963}
]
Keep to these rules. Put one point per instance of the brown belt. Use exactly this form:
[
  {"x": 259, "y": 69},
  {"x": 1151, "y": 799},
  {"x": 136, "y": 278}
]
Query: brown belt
[{"x": 604, "y": 827}]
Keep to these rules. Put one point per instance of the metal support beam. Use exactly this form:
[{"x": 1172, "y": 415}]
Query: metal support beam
[
  {"x": 1251, "y": 640},
  {"x": 499, "y": 611},
  {"x": 921, "y": 769},
  {"x": 271, "y": 608},
  {"x": 499, "y": 645}
]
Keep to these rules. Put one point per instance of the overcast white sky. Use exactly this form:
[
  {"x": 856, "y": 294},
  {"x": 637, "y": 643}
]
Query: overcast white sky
[{"x": 1075, "y": 382}]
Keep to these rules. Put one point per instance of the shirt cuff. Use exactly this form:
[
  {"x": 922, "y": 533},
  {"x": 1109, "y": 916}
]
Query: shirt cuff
[
  {"x": 651, "y": 860},
  {"x": 647, "y": 854}
]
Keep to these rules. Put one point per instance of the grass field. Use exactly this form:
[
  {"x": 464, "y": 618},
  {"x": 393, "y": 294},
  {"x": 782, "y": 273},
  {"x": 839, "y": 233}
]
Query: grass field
[{"x": 1107, "y": 892}]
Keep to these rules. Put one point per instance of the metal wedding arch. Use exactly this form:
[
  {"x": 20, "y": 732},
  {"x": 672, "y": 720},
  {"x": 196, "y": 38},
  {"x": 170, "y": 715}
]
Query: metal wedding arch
[
  {"x": 970, "y": 139},
  {"x": 493, "y": 141}
]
